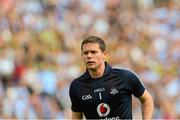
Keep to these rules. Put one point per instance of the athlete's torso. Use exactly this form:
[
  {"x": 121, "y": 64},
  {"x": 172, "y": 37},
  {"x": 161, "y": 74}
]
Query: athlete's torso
[{"x": 106, "y": 97}]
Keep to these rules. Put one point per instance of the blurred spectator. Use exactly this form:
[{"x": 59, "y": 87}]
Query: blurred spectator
[{"x": 39, "y": 42}]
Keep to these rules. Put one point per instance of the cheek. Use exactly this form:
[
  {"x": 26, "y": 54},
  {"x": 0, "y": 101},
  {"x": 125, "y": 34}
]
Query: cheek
[
  {"x": 102, "y": 57},
  {"x": 83, "y": 58}
]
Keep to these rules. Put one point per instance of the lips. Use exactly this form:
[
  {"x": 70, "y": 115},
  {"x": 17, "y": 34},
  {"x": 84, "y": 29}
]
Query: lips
[{"x": 90, "y": 62}]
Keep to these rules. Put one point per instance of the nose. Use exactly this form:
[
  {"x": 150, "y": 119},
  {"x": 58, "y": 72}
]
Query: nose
[{"x": 89, "y": 55}]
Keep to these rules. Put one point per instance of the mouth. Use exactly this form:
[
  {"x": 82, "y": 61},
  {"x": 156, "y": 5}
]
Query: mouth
[{"x": 90, "y": 62}]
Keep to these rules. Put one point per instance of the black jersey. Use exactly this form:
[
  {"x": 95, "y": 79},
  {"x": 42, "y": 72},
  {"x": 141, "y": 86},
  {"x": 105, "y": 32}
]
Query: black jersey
[{"x": 107, "y": 97}]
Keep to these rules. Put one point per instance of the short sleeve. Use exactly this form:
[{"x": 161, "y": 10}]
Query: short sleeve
[
  {"x": 75, "y": 106},
  {"x": 136, "y": 86}
]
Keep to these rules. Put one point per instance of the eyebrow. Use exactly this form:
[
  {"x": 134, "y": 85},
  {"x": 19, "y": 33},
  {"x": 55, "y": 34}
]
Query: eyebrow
[{"x": 92, "y": 51}]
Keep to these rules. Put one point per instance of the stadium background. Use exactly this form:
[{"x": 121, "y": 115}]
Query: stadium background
[{"x": 40, "y": 51}]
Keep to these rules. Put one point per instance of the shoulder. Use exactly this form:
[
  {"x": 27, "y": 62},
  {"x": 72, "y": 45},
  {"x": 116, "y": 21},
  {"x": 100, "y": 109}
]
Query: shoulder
[
  {"x": 74, "y": 85},
  {"x": 123, "y": 71},
  {"x": 78, "y": 81}
]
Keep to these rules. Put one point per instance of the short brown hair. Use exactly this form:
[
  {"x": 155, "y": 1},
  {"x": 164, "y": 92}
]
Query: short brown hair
[{"x": 94, "y": 39}]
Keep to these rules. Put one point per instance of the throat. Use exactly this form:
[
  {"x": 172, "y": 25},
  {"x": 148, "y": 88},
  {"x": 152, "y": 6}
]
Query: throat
[{"x": 97, "y": 73}]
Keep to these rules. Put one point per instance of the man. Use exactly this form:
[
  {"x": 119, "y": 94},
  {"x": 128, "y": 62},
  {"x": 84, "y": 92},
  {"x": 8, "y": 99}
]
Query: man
[{"x": 103, "y": 92}]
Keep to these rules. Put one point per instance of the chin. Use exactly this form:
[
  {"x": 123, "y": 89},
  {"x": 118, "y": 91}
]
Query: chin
[{"x": 91, "y": 67}]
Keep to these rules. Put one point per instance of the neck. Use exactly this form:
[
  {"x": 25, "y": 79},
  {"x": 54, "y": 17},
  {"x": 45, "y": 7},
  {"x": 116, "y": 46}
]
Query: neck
[{"x": 97, "y": 72}]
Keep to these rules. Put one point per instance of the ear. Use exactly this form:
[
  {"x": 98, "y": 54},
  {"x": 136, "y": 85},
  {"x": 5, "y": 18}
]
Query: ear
[{"x": 105, "y": 53}]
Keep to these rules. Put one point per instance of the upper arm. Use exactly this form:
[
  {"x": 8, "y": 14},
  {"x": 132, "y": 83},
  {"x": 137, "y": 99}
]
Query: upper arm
[
  {"x": 77, "y": 115},
  {"x": 147, "y": 105},
  {"x": 75, "y": 106},
  {"x": 134, "y": 84},
  {"x": 75, "y": 101},
  {"x": 145, "y": 96}
]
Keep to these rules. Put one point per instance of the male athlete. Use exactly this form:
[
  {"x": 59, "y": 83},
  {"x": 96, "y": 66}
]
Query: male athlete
[{"x": 103, "y": 92}]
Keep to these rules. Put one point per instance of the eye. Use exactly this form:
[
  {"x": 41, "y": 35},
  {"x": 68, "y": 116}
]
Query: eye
[
  {"x": 85, "y": 53},
  {"x": 93, "y": 52}
]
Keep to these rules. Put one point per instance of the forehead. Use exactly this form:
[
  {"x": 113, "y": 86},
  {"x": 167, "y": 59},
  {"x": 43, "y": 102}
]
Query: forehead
[{"x": 91, "y": 46}]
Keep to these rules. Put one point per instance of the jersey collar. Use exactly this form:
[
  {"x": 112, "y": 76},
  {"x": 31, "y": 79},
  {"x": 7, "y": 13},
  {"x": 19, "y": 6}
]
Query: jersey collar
[{"x": 106, "y": 71}]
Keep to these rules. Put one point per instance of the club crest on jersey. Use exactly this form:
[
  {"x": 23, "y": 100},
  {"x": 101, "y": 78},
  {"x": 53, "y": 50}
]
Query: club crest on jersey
[
  {"x": 86, "y": 97},
  {"x": 113, "y": 91},
  {"x": 103, "y": 109}
]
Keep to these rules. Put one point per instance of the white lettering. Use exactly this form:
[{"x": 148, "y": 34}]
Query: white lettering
[
  {"x": 100, "y": 97},
  {"x": 86, "y": 97},
  {"x": 99, "y": 90},
  {"x": 113, "y": 118}
]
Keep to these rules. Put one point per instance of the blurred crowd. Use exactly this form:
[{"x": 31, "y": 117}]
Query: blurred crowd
[{"x": 40, "y": 51}]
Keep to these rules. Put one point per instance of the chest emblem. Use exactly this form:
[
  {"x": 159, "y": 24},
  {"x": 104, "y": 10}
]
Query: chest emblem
[{"x": 113, "y": 91}]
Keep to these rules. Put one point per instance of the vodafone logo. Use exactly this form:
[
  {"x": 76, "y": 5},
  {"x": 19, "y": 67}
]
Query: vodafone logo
[{"x": 103, "y": 109}]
